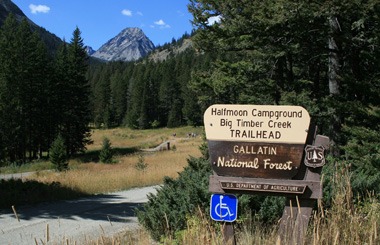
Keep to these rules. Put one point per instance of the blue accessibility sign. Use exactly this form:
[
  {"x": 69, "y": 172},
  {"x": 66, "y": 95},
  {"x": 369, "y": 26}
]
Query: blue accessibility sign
[{"x": 224, "y": 207}]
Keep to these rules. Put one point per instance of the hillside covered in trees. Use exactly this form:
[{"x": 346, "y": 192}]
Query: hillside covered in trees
[{"x": 148, "y": 93}]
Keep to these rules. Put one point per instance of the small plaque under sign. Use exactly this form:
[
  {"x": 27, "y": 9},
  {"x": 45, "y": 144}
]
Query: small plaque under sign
[{"x": 277, "y": 188}]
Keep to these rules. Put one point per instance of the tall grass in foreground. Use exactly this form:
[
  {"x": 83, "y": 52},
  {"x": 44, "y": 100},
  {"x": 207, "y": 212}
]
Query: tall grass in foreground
[{"x": 350, "y": 220}]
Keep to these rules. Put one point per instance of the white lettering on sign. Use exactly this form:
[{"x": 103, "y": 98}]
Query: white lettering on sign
[
  {"x": 278, "y": 166},
  {"x": 260, "y": 150},
  {"x": 235, "y": 163},
  {"x": 253, "y": 164},
  {"x": 257, "y": 123}
]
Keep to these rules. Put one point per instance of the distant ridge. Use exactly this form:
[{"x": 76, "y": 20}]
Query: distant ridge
[
  {"x": 7, "y": 6},
  {"x": 130, "y": 44}
]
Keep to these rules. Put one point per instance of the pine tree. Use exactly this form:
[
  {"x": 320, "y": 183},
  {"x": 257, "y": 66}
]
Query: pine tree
[
  {"x": 119, "y": 102},
  {"x": 58, "y": 155},
  {"x": 106, "y": 153},
  {"x": 76, "y": 114}
]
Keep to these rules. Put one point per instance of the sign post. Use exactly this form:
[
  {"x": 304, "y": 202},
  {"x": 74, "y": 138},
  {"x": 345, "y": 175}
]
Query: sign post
[{"x": 261, "y": 149}]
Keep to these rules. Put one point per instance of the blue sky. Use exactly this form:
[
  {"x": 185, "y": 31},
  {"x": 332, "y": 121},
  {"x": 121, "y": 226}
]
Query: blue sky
[{"x": 101, "y": 20}]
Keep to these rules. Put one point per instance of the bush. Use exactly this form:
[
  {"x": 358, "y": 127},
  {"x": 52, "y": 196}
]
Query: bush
[
  {"x": 106, "y": 153},
  {"x": 168, "y": 210},
  {"x": 58, "y": 155},
  {"x": 141, "y": 165}
]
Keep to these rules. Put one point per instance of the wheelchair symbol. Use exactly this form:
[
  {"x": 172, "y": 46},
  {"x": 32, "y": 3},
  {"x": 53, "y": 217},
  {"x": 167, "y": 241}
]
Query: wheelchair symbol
[{"x": 222, "y": 206}]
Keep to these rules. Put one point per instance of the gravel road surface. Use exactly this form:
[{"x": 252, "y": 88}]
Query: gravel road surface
[{"x": 76, "y": 220}]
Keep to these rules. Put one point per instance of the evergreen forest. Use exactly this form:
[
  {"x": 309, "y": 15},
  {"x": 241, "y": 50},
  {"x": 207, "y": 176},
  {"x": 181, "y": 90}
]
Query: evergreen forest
[{"x": 42, "y": 96}]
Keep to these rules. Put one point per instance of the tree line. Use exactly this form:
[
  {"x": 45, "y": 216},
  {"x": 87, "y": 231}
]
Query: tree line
[
  {"x": 146, "y": 93},
  {"x": 41, "y": 96}
]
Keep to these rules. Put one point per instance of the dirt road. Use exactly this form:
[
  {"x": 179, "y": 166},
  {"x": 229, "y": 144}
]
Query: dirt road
[{"x": 75, "y": 220}]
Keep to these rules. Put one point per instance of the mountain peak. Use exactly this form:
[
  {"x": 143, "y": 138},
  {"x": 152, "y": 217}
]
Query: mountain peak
[{"x": 130, "y": 44}]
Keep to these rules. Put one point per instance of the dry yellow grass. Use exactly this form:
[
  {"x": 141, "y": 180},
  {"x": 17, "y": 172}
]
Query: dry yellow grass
[
  {"x": 124, "y": 137},
  {"x": 93, "y": 178}
]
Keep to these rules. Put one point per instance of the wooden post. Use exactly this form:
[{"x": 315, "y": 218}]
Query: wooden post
[
  {"x": 297, "y": 212},
  {"x": 229, "y": 234}
]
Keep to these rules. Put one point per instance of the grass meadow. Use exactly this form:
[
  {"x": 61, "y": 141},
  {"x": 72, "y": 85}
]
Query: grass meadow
[{"x": 132, "y": 166}]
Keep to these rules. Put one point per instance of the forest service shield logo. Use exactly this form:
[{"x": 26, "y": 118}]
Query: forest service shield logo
[{"x": 314, "y": 156}]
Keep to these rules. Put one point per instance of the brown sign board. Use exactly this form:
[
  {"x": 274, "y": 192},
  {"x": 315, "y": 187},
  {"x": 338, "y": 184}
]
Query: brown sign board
[{"x": 256, "y": 141}]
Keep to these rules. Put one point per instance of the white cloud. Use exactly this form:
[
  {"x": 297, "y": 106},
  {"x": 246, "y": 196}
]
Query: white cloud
[
  {"x": 161, "y": 24},
  {"x": 139, "y": 13},
  {"x": 35, "y": 9},
  {"x": 214, "y": 20},
  {"x": 126, "y": 12}
]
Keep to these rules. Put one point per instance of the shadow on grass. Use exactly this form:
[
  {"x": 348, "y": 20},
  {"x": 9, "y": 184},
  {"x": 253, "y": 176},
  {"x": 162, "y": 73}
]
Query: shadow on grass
[
  {"x": 18, "y": 192},
  {"x": 93, "y": 156}
]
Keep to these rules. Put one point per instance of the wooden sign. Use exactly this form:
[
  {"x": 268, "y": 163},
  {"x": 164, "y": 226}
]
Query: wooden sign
[
  {"x": 257, "y": 141},
  {"x": 258, "y": 150}
]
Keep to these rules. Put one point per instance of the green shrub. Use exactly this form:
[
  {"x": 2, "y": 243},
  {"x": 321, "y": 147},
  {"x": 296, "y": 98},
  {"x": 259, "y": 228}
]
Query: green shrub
[
  {"x": 58, "y": 155},
  {"x": 168, "y": 210},
  {"x": 106, "y": 153},
  {"x": 141, "y": 165}
]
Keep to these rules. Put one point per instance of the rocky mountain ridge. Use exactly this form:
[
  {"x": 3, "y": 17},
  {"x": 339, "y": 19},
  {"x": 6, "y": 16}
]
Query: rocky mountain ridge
[
  {"x": 130, "y": 44},
  {"x": 173, "y": 49}
]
